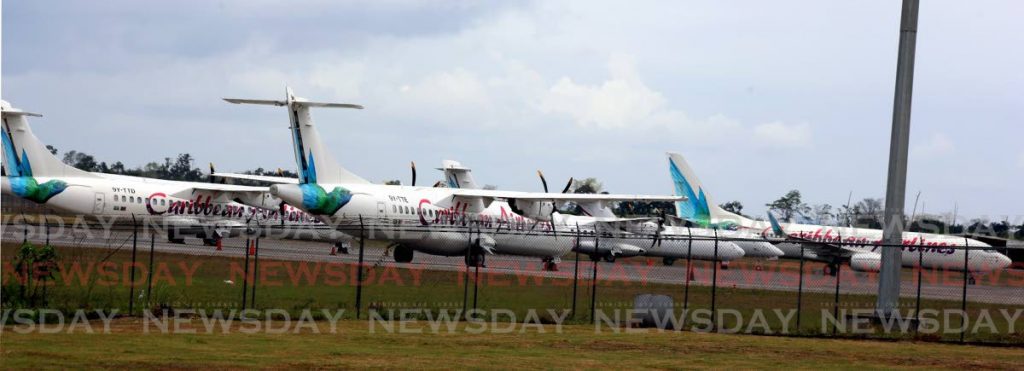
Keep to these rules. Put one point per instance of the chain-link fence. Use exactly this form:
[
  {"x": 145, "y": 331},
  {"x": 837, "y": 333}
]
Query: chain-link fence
[{"x": 464, "y": 273}]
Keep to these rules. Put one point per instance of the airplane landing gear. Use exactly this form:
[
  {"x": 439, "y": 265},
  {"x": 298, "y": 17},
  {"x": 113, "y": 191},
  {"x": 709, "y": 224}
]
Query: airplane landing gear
[
  {"x": 475, "y": 260},
  {"x": 342, "y": 247},
  {"x": 668, "y": 261},
  {"x": 610, "y": 258},
  {"x": 971, "y": 280},
  {"x": 831, "y": 269},
  {"x": 211, "y": 241},
  {"x": 174, "y": 238},
  {"x": 724, "y": 265},
  {"x": 403, "y": 254},
  {"x": 550, "y": 265}
]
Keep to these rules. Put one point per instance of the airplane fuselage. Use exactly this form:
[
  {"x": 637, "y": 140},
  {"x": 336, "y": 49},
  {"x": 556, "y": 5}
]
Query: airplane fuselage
[{"x": 124, "y": 200}]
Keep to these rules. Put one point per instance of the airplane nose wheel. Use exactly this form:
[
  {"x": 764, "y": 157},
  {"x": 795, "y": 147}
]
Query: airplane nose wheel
[
  {"x": 342, "y": 248},
  {"x": 473, "y": 260},
  {"x": 668, "y": 261},
  {"x": 550, "y": 265},
  {"x": 475, "y": 256}
]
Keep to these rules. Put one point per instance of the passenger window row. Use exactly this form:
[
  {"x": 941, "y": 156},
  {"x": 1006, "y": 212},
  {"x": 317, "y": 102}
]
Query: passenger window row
[{"x": 409, "y": 210}]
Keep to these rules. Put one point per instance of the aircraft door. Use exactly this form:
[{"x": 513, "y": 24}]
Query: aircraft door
[
  {"x": 100, "y": 200},
  {"x": 382, "y": 210}
]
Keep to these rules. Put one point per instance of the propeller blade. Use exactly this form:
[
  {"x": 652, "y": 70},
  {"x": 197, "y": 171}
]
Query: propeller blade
[
  {"x": 657, "y": 232},
  {"x": 567, "y": 186},
  {"x": 280, "y": 172},
  {"x": 413, "y": 164},
  {"x": 438, "y": 184},
  {"x": 543, "y": 181}
]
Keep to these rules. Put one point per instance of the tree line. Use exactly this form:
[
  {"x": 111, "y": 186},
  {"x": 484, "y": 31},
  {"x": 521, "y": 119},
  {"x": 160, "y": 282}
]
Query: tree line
[{"x": 868, "y": 213}]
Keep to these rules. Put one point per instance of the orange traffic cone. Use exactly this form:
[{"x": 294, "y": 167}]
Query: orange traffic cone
[
  {"x": 334, "y": 250},
  {"x": 252, "y": 248},
  {"x": 220, "y": 245}
]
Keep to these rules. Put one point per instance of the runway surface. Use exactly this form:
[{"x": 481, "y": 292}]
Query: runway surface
[{"x": 1004, "y": 287}]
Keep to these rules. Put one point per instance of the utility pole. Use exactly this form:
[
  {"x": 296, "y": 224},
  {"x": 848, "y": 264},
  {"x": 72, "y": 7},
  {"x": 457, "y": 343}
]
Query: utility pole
[{"x": 896, "y": 187}]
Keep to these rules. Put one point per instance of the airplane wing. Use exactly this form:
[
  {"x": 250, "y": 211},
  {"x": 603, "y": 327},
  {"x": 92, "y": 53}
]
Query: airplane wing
[
  {"x": 261, "y": 178},
  {"x": 227, "y": 189},
  {"x": 540, "y": 196},
  {"x": 623, "y": 220},
  {"x": 270, "y": 102}
]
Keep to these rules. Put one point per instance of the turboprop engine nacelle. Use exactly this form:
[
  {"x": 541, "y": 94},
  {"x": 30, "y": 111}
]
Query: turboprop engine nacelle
[
  {"x": 539, "y": 210},
  {"x": 866, "y": 262}
]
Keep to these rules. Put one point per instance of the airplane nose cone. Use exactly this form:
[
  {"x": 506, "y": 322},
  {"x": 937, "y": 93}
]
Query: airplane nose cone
[
  {"x": 289, "y": 193},
  {"x": 628, "y": 250},
  {"x": 729, "y": 251},
  {"x": 775, "y": 252},
  {"x": 1004, "y": 261}
]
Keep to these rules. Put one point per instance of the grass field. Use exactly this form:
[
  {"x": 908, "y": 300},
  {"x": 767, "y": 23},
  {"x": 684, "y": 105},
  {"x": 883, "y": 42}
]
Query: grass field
[
  {"x": 578, "y": 346},
  {"x": 199, "y": 282}
]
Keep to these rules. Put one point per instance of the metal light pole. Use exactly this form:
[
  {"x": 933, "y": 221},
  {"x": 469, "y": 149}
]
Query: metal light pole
[{"x": 896, "y": 187}]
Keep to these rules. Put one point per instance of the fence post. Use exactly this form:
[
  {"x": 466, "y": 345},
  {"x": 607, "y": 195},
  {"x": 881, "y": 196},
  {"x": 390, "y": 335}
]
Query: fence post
[
  {"x": 465, "y": 277},
  {"x": 576, "y": 271},
  {"x": 963, "y": 299},
  {"x": 149, "y": 276},
  {"x": 359, "y": 273},
  {"x": 593, "y": 282},
  {"x": 47, "y": 233},
  {"x": 245, "y": 276},
  {"x": 689, "y": 273},
  {"x": 255, "y": 271},
  {"x": 714, "y": 282},
  {"x": 835, "y": 304},
  {"x": 920, "y": 268},
  {"x": 131, "y": 279},
  {"x": 476, "y": 275},
  {"x": 800, "y": 289}
]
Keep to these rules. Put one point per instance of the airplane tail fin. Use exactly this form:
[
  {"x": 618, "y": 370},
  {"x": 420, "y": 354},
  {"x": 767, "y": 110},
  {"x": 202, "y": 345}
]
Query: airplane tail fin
[
  {"x": 26, "y": 156},
  {"x": 314, "y": 163},
  {"x": 458, "y": 176},
  {"x": 698, "y": 207},
  {"x": 776, "y": 227}
]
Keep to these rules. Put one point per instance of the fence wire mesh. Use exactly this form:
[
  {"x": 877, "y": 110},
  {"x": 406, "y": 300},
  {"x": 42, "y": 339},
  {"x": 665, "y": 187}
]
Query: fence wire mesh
[{"x": 138, "y": 269}]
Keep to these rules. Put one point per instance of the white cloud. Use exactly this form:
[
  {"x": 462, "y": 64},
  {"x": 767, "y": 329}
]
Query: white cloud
[
  {"x": 778, "y": 134},
  {"x": 937, "y": 144},
  {"x": 534, "y": 81},
  {"x": 624, "y": 102},
  {"x": 621, "y": 101}
]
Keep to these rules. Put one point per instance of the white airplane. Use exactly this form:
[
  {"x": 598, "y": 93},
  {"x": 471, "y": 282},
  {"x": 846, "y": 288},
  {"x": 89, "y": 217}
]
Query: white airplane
[
  {"x": 205, "y": 210},
  {"x": 632, "y": 234},
  {"x": 834, "y": 245},
  {"x": 438, "y": 221}
]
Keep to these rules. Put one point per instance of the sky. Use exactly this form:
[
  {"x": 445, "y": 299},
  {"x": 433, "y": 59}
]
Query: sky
[{"x": 760, "y": 97}]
